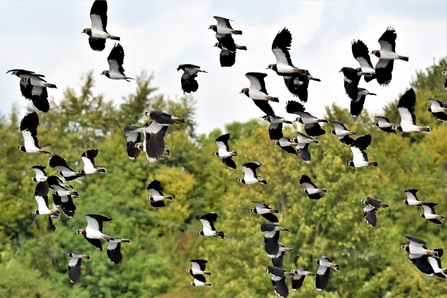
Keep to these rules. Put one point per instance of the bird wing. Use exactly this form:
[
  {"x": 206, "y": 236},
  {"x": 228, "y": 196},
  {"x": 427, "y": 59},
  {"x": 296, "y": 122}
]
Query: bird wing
[
  {"x": 388, "y": 40},
  {"x": 98, "y": 15},
  {"x": 116, "y": 59},
  {"x": 94, "y": 221},
  {"x": 306, "y": 182},
  {"x": 222, "y": 142},
  {"x": 257, "y": 80},
  {"x": 41, "y": 195},
  {"x": 207, "y": 225},
  {"x": 428, "y": 208},
  {"x": 250, "y": 168},
  {"x": 264, "y": 106},
  {"x": 362, "y": 142},
  {"x": 281, "y": 45},
  {"x": 223, "y": 22},
  {"x": 361, "y": 54}
]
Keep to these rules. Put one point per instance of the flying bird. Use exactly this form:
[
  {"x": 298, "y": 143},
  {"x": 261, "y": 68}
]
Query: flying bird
[
  {"x": 208, "y": 229},
  {"x": 343, "y": 134},
  {"x": 384, "y": 124},
  {"x": 357, "y": 104},
  {"x": 313, "y": 192},
  {"x": 265, "y": 211},
  {"x": 98, "y": 33},
  {"x": 74, "y": 266},
  {"x": 430, "y": 213},
  {"x": 93, "y": 232},
  {"x": 323, "y": 272},
  {"x": 277, "y": 261},
  {"x": 286, "y": 144},
  {"x": 40, "y": 174},
  {"x": 299, "y": 274},
  {"x": 56, "y": 161},
  {"x": 280, "y": 48},
  {"x": 223, "y": 27},
  {"x": 351, "y": 79},
  {"x": 275, "y": 127},
  {"x": 41, "y": 197},
  {"x": 302, "y": 145},
  {"x": 298, "y": 84},
  {"x": 411, "y": 199},
  {"x": 387, "y": 54},
  {"x": 258, "y": 93},
  {"x": 361, "y": 54},
  {"x": 437, "y": 109},
  {"x": 360, "y": 158},
  {"x": 311, "y": 123},
  {"x": 133, "y": 136},
  {"x": 406, "y": 108},
  {"x": 278, "y": 277},
  {"x": 163, "y": 118},
  {"x": 228, "y": 47},
  {"x": 223, "y": 151},
  {"x": 28, "y": 128},
  {"x": 116, "y": 60},
  {"x": 198, "y": 267},
  {"x": 271, "y": 237},
  {"x": 188, "y": 80},
  {"x": 88, "y": 158},
  {"x": 417, "y": 248},
  {"x": 114, "y": 249},
  {"x": 369, "y": 212},
  {"x": 250, "y": 176},
  {"x": 157, "y": 197}
]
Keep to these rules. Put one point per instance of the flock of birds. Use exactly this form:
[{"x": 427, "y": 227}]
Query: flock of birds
[{"x": 149, "y": 139}]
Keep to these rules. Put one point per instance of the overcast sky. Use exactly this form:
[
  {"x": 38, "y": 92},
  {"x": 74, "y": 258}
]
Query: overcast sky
[{"x": 157, "y": 36}]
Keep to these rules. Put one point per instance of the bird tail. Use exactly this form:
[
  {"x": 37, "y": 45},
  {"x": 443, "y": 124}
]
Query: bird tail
[
  {"x": 433, "y": 253},
  {"x": 315, "y": 79},
  {"x": 220, "y": 234},
  {"x": 102, "y": 170},
  {"x": 87, "y": 257},
  {"x": 208, "y": 284},
  {"x": 315, "y": 142},
  {"x": 178, "y": 120},
  {"x": 170, "y": 198},
  {"x": 74, "y": 194},
  {"x": 425, "y": 129},
  {"x": 274, "y": 211},
  {"x": 128, "y": 78},
  {"x": 241, "y": 47},
  {"x": 323, "y": 120},
  {"x": 237, "y": 32},
  {"x": 403, "y": 58},
  {"x": 323, "y": 190},
  {"x": 274, "y": 99},
  {"x": 373, "y": 164},
  {"x": 125, "y": 241},
  {"x": 233, "y": 153},
  {"x": 48, "y": 85},
  {"x": 206, "y": 272},
  {"x": 113, "y": 37},
  {"x": 44, "y": 152},
  {"x": 384, "y": 205},
  {"x": 167, "y": 152},
  {"x": 263, "y": 181},
  {"x": 335, "y": 266},
  {"x": 440, "y": 217},
  {"x": 44, "y": 145}
]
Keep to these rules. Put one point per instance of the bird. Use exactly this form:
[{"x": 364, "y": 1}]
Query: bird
[
  {"x": 323, "y": 272},
  {"x": 74, "y": 266},
  {"x": 299, "y": 274},
  {"x": 311, "y": 123},
  {"x": 258, "y": 93},
  {"x": 223, "y": 27},
  {"x": 41, "y": 197},
  {"x": 114, "y": 249},
  {"x": 154, "y": 132},
  {"x": 223, "y": 151},
  {"x": 430, "y": 213},
  {"x": 310, "y": 189},
  {"x": 387, "y": 54},
  {"x": 133, "y": 136},
  {"x": 356, "y": 106},
  {"x": 228, "y": 47},
  {"x": 351, "y": 79},
  {"x": 98, "y": 31},
  {"x": 188, "y": 80},
  {"x": 360, "y": 158},
  {"x": 116, "y": 60},
  {"x": 384, "y": 124},
  {"x": 157, "y": 197},
  {"x": 427, "y": 264},
  {"x": 411, "y": 198},
  {"x": 406, "y": 109},
  {"x": 437, "y": 109},
  {"x": 200, "y": 281},
  {"x": 250, "y": 176},
  {"x": 298, "y": 84},
  {"x": 343, "y": 134},
  {"x": 208, "y": 229},
  {"x": 58, "y": 162},
  {"x": 66, "y": 203},
  {"x": 34, "y": 88},
  {"x": 417, "y": 248},
  {"x": 265, "y": 211},
  {"x": 198, "y": 267},
  {"x": 163, "y": 118},
  {"x": 280, "y": 48},
  {"x": 88, "y": 158},
  {"x": 28, "y": 128},
  {"x": 61, "y": 188},
  {"x": 40, "y": 173},
  {"x": 93, "y": 232},
  {"x": 275, "y": 127},
  {"x": 361, "y": 54},
  {"x": 277, "y": 261},
  {"x": 271, "y": 237},
  {"x": 303, "y": 142},
  {"x": 286, "y": 144},
  {"x": 369, "y": 212},
  {"x": 278, "y": 280}
]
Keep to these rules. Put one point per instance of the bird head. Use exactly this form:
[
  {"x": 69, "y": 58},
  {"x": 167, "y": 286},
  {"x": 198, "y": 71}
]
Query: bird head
[
  {"x": 244, "y": 91},
  {"x": 350, "y": 163},
  {"x": 200, "y": 232},
  {"x": 105, "y": 72},
  {"x": 421, "y": 214},
  {"x": 80, "y": 231},
  {"x": 253, "y": 210},
  {"x": 363, "y": 201},
  {"x": 36, "y": 211},
  {"x": 241, "y": 180},
  {"x": 218, "y": 45},
  {"x": 404, "y": 201},
  {"x": 376, "y": 53},
  {"x": 21, "y": 147},
  {"x": 213, "y": 27},
  {"x": 405, "y": 247},
  {"x": 147, "y": 113},
  {"x": 317, "y": 261},
  {"x": 271, "y": 66},
  {"x": 215, "y": 153},
  {"x": 87, "y": 31}
]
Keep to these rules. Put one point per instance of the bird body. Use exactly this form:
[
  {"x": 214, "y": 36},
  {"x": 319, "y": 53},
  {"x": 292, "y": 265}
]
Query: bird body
[
  {"x": 360, "y": 158},
  {"x": 406, "y": 108},
  {"x": 224, "y": 152},
  {"x": 157, "y": 197},
  {"x": 250, "y": 176},
  {"x": 188, "y": 80},
  {"x": 208, "y": 229},
  {"x": 265, "y": 211},
  {"x": 74, "y": 266},
  {"x": 116, "y": 60}
]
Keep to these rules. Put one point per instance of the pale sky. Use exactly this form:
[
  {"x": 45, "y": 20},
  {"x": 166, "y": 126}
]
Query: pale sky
[{"x": 157, "y": 36}]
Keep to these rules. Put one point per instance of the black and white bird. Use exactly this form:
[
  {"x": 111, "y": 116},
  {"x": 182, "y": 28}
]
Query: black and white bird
[
  {"x": 74, "y": 266},
  {"x": 360, "y": 158},
  {"x": 278, "y": 277},
  {"x": 298, "y": 84},
  {"x": 188, "y": 79},
  {"x": 41, "y": 197},
  {"x": 198, "y": 267},
  {"x": 208, "y": 229},
  {"x": 56, "y": 161},
  {"x": 311, "y": 123},
  {"x": 61, "y": 188},
  {"x": 387, "y": 54},
  {"x": 303, "y": 141},
  {"x": 369, "y": 212},
  {"x": 351, "y": 79},
  {"x": 200, "y": 281},
  {"x": 40, "y": 175},
  {"x": 223, "y": 151},
  {"x": 116, "y": 60},
  {"x": 66, "y": 204},
  {"x": 361, "y": 54},
  {"x": 223, "y": 27},
  {"x": 428, "y": 264},
  {"x": 157, "y": 197},
  {"x": 356, "y": 106},
  {"x": 34, "y": 88},
  {"x": 313, "y": 192},
  {"x": 228, "y": 48},
  {"x": 271, "y": 237},
  {"x": 93, "y": 232},
  {"x": 299, "y": 274},
  {"x": 250, "y": 176},
  {"x": 163, "y": 118},
  {"x": 406, "y": 108},
  {"x": 384, "y": 124},
  {"x": 98, "y": 32},
  {"x": 437, "y": 109},
  {"x": 286, "y": 145},
  {"x": 323, "y": 272},
  {"x": 114, "y": 249},
  {"x": 280, "y": 48},
  {"x": 411, "y": 199},
  {"x": 265, "y": 211},
  {"x": 342, "y": 133},
  {"x": 417, "y": 248},
  {"x": 133, "y": 136},
  {"x": 258, "y": 93},
  {"x": 430, "y": 213},
  {"x": 88, "y": 158},
  {"x": 275, "y": 127},
  {"x": 28, "y": 128}
]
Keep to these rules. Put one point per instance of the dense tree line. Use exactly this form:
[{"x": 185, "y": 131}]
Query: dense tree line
[{"x": 32, "y": 261}]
